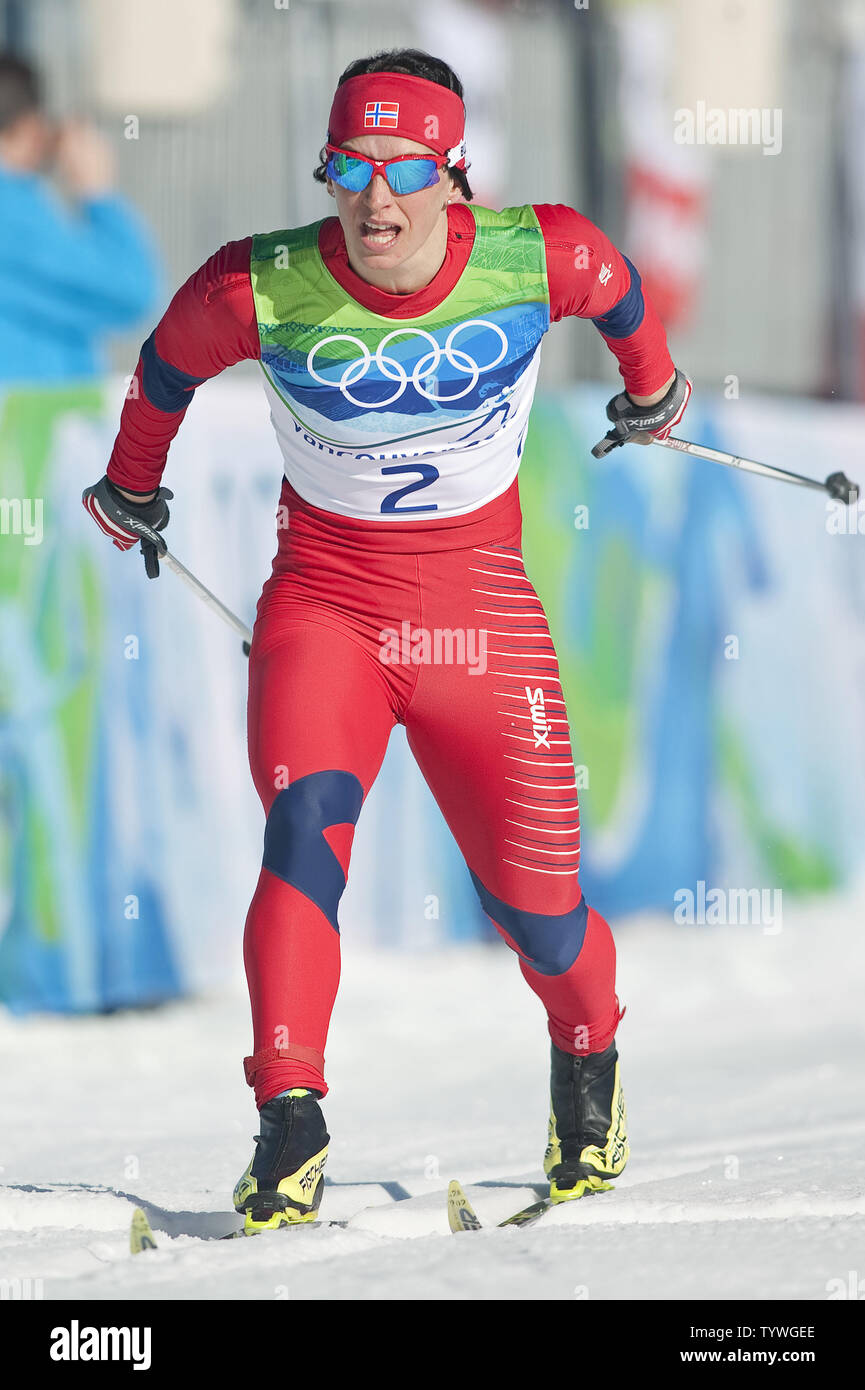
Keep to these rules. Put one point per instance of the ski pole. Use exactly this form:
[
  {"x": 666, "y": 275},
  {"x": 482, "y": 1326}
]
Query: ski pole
[
  {"x": 154, "y": 549},
  {"x": 838, "y": 486},
  {"x": 203, "y": 593}
]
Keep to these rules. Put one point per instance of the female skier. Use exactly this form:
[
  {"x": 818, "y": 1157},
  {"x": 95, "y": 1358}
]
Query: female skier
[{"x": 399, "y": 343}]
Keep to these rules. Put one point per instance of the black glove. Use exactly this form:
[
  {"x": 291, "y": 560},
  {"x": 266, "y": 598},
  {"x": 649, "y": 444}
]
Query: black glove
[
  {"x": 642, "y": 424},
  {"x": 128, "y": 522}
]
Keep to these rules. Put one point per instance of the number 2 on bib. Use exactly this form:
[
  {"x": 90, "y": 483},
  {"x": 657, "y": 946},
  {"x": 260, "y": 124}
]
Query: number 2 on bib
[{"x": 429, "y": 473}]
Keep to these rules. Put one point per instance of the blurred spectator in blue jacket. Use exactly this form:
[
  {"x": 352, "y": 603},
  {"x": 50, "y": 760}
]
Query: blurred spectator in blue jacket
[{"x": 71, "y": 269}]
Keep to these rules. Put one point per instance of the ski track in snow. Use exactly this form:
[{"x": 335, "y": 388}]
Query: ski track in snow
[{"x": 742, "y": 1062}]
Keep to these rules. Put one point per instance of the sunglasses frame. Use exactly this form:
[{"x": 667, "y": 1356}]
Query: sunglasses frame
[{"x": 381, "y": 166}]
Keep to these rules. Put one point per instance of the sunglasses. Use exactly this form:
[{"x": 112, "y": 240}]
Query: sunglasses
[{"x": 405, "y": 173}]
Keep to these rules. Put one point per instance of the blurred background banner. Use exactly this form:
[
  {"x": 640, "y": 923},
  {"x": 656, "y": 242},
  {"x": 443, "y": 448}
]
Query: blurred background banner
[
  {"x": 710, "y": 630},
  {"x": 83, "y": 909}
]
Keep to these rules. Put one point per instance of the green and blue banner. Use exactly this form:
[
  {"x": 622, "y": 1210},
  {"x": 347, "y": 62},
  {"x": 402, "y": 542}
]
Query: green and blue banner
[{"x": 710, "y": 628}]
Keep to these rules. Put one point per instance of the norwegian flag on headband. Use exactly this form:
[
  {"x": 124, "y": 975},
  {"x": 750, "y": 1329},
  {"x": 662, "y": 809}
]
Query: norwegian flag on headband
[
  {"x": 409, "y": 106},
  {"x": 381, "y": 113}
]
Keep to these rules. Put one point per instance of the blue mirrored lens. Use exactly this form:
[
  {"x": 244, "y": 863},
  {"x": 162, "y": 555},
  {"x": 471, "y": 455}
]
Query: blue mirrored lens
[
  {"x": 349, "y": 173},
  {"x": 410, "y": 175}
]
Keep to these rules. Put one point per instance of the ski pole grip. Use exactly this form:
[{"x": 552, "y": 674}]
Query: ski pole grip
[{"x": 611, "y": 440}]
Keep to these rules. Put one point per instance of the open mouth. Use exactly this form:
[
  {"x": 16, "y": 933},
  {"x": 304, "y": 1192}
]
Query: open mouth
[{"x": 378, "y": 234}]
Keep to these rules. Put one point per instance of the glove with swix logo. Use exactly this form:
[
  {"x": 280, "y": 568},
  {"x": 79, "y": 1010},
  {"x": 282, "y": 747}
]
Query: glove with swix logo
[
  {"x": 126, "y": 522},
  {"x": 644, "y": 424}
]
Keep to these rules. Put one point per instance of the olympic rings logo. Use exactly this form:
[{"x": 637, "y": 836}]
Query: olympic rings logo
[{"x": 395, "y": 371}]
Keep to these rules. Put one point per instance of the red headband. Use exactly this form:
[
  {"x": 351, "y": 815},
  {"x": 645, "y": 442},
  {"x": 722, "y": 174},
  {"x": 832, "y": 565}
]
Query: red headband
[{"x": 396, "y": 104}]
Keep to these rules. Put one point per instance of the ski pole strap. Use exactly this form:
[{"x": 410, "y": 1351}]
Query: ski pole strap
[
  {"x": 294, "y": 1053},
  {"x": 151, "y": 553}
]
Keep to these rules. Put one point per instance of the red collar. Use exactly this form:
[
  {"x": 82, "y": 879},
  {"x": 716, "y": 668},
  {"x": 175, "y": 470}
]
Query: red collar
[{"x": 461, "y": 235}]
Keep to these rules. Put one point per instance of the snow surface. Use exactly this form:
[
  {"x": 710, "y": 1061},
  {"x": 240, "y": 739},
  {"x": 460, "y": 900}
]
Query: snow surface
[{"x": 742, "y": 1061}]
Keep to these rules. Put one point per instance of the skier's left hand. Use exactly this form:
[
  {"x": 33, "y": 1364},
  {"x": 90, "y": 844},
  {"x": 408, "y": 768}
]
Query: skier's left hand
[
  {"x": 643, "y": 424},
  {"x": 127, "y": 521}
]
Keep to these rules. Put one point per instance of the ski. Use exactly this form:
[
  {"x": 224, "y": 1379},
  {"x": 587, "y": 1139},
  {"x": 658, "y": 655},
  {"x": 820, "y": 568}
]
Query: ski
[
  {"x": 528, "y": 1215},
  {"x": 229, "y": 1225},
  {"x": 463, "y": 1217},
  {"x": 141, "y": 1235},
  {"x": 317, "y": 1224},
  {"x": 461, "y": 1213}
]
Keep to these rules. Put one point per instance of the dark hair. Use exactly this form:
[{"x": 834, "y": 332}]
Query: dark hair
[
  {"x": 414, "y": 63},
  {"x": 19, "y": 89}
]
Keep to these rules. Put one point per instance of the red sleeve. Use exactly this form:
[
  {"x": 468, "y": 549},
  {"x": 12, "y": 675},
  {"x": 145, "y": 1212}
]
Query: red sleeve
[
  {"x": 589, "y": 278},
  {"x": 210, "y": 324}
]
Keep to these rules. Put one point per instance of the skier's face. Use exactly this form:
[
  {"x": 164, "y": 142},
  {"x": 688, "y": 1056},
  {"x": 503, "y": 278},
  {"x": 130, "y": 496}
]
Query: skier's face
[{"x": 386, "y": 232}]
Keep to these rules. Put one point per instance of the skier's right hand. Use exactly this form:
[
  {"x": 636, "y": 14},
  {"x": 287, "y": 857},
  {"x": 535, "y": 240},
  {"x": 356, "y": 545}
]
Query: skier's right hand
[{"x": 125, "y": 521}]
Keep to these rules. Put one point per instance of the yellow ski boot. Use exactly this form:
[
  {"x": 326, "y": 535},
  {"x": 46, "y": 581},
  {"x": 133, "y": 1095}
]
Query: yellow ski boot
[
  {"x": 588, "y": 1141},
  {"x": 284, "y": 1182}
]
